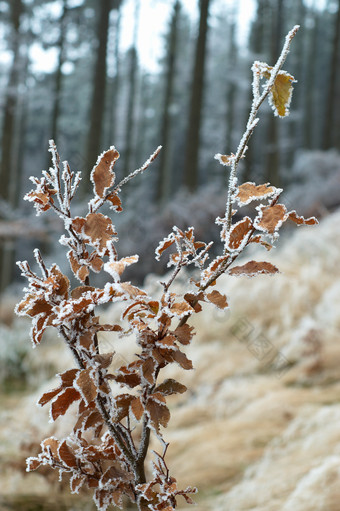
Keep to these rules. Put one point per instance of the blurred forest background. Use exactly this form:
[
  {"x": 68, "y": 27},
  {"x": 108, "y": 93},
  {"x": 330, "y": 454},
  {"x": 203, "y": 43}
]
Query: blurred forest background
[{"x": 139, "y": 73}]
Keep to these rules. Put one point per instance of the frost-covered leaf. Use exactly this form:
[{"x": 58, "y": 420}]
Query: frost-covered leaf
[
  {"x": 32, "y": 464},
  {"x": 148, "y": 370},
  {"x": 281, "y": 93},
  {"x": 76, "y": 482},
  {"x": 116, "y": 268},
  {"x": 100, "y": 230},
  {"x": 271, "y": 218},
  {"x": 63, "y": 402},
  {"x": 224, "y": 159},
  {"x": 239, "y": 233},
  {"x": 253, "y": 268},
  {"x": 66, "y": 455},
  {"x": 164, "y": 244},
  {"x": 170, "y": 386},
  {"x": 159, "y": 413},
  {"x": 182, "y": 359},
  {"x": 102, "y": 174},
  {"x": 248, "y": 192},
  {"x": 137, "y": 408},
  {"x": 218, "y": 299},
  {"x": 86, "y": 385},
  {"x": 122, "y": 405},
  {"x": 300, "y": 220},
  {"x": 184, "y": 334}
]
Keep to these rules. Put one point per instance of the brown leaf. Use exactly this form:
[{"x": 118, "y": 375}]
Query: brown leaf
[
  {"x": 86, "y": 385},
  {"x": 180, "y": 309},
  {"x": 99, "y": 229},
  {"x": 248, "y": 192},
  {"x": 93, "y": 419},
  {"x": 62, "y": 403},
  {"x": 47, "y": 396},
  {"x": 116, "y": 268},
  {"x": 170, "y": 386},
  {"x": 104, "y": 359},
  {"x": 102, "y": 174},
  {"x": 184, "y": 334},
  {"x": 137, "y": 408},
  {"x": 67, "y": 377},
  {"x": 239, "y": 232},
  {"x": 32, "y": 464},
  {"x": 67, "y": 456},
  {"x": 271, "y": 218},
  {"x": 163, "y": 245},
  {"x": 182, "y": 359},
  {"x": 148, "y": 370},
  {"x": 78, "y": 292},
  {"x": 253, "y": 268},
  {"x": 122, "y": 403},
  {"x": 115, "y": 201},
  {"x": 51, "y": 444},
  {"x": 281, "y": 93},
  {"x": 76, "y": 482},
  {"x": 300, "y": 220},
  {"x": 159, "y": 413},
  {"x": 79, "y": 270},
  {"x": 218, "y": 299},
  {"x": 193, "y": 300}
]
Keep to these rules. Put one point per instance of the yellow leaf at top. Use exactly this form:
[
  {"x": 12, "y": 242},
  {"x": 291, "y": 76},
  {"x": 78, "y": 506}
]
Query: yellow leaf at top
[{"x": 281, "y": 93}]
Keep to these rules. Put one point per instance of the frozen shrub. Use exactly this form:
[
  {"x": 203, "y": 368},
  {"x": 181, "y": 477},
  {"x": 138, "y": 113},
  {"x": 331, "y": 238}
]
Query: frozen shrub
[{"x": 108, "y": 446}]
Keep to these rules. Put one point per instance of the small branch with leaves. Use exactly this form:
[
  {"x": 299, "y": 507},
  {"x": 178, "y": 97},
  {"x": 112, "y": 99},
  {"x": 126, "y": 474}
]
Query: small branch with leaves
[{"x": 108, "y": 448}]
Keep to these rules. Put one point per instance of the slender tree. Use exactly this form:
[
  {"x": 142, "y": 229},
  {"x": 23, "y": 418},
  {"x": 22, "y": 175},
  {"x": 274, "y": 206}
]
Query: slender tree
[
  {"x": 114, "y": 82},
  {"x": 131, "y": 98},
  {"x": 59, "y": 74},
  {"x": 197, "y": 86},
  {"x": 10, "y": 102},
  {"x": 272, "y": 165},
  {"x": 164, "y": 178},
  {"x": 331, "y": 136},
  {"x": 97, "y": 104}
]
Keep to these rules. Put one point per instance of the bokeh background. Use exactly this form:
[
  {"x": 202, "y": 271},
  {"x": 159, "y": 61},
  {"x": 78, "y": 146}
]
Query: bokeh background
[{"x": 258, "y": 430}]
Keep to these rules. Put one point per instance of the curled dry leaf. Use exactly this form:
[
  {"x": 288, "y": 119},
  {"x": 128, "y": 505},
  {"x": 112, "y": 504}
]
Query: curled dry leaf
[
  {"x": 271, "y": 218},
  {"x": 102, "y": 174},
  {"x": 218, "y": 299},
  {"x": 300, "y": 220},
  {"x": 253, "y": 268},
  {"x": 239, "y": 233},
  {"x": 170, "y": 386},
  {"x": 248, "y": 192}
]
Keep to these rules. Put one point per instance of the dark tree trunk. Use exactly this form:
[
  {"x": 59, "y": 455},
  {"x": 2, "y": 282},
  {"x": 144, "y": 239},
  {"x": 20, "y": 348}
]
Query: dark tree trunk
[
  {"x": 94, "y": 146},
  {"x": 59, "y": 74},
  {"x": 114, "y": 84},
  {"x": 272, "y": 168},
  {"x": 131, "y": 101},
  {"x": 8, "y": 172},
  {"x": 231, "y": 85},
  {"x": 196, "y": 100},
  {"x": 164, "y": 177},
  {"x": 8, "y": 135},
  {"x": 331, "y": 135}
]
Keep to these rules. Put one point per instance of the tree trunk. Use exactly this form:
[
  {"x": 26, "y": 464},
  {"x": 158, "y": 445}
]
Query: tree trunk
[
  {"x": 114, "y": 84},
  {"x": 7, "y": 170},
  {"x": 94, "y": 146},
  {"x": 197, "y": 85},
  {"x": 164, "y": 176},
  {"x": 231, "y": 85},
  {"x": 59, "y": 74},
  {"x": 129, "y": 131},
  {"x": 10, "y": 103},
  {"x": 272, "y": 169},
  {"x": 331, "y": 137}
]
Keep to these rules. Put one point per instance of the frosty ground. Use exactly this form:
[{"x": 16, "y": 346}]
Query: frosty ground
[{"x": 259, "y": 427}]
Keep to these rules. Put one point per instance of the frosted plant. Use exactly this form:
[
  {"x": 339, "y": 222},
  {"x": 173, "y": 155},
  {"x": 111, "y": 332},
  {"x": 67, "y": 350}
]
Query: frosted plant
[{"x": 108, "y": 448}]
